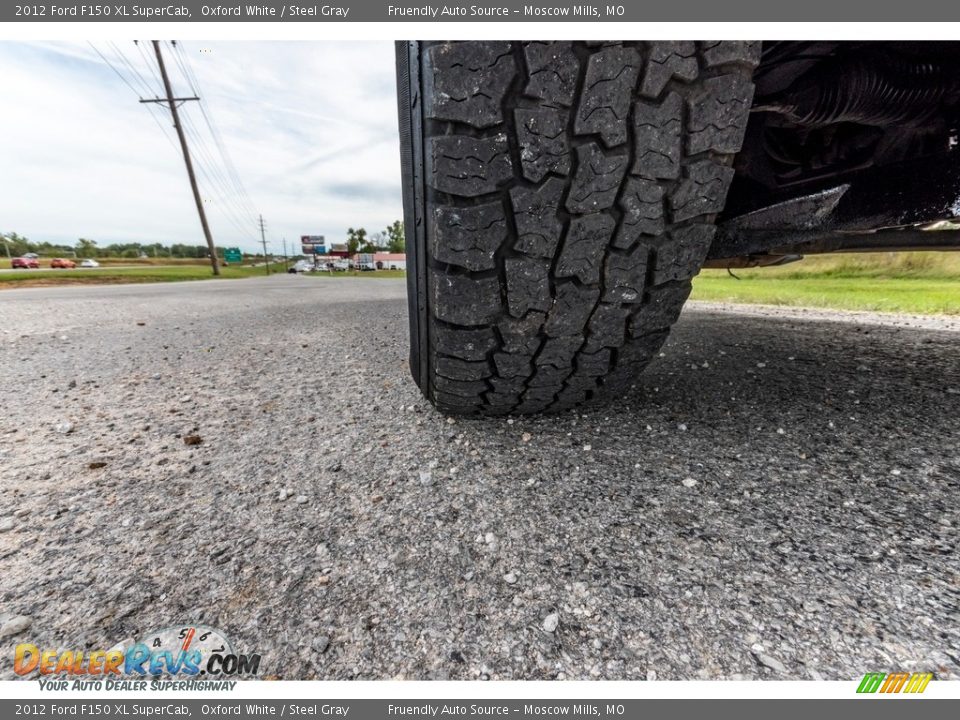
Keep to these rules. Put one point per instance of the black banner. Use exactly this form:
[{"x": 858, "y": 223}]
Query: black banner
[
  {"x": 486, "y": 11},
  {"x": 852, "y": 709}
]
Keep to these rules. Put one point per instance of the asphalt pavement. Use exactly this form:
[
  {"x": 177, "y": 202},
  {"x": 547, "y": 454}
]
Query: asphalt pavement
[{"x": 776, "y": 498}]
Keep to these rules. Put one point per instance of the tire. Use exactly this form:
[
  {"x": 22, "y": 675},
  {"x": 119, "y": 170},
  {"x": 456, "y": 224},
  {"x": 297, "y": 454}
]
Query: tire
[{"x": 558, "y": 199}]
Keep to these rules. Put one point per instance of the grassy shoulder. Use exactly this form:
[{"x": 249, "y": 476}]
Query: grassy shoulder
[
  {"x": 920, "y": 283},
  {"x": 152, "y": 272},
  {"x": 117, "y": 275}
]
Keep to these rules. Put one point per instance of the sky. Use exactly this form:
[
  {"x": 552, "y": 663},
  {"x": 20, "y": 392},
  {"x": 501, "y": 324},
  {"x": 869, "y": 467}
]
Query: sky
[{"x": 311, "y": 129}]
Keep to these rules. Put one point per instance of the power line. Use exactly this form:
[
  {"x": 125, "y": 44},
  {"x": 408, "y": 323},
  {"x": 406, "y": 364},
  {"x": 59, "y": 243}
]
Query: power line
[
  {"x": 217, "y": 183},
  {"x": 244, "y": 231},
  {"x": 188, "y": 74},
  {"x": 227, "y": 176},
  {"x": 163, "y": 129},
  {"x": 186, "y": 69},
  {"x": 223, "y": 204},
  {"x": 222, "y": 208},
  {"x": 133, "y": 71},
  {"x": 136, "y": 92},
  {"x": 226, "y": 188},
  {"x": 110, "y": 65},
  {"x": 220, "y": 184},
  {"x": 172, "y": 104},
  {"x": 146, "y": 60}
]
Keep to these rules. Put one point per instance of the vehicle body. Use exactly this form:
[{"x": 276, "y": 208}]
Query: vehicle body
[
  {"x": 364, "y": 262},
  {"x": 64, "y": 263},
  {"x": 89, "y": 263},
  {"x": 560, "y": 196},
  {"x": 301, "y": 266},
  {"x": 25, "y": 263},
  {"x": 341, "y": 265}
]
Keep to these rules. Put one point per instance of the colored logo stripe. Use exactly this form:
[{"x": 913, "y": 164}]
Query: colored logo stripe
[
  {"x": 918, "y": 682},
  {"x": 894, "y": 682},
  {"x": 871, "y": 682}
]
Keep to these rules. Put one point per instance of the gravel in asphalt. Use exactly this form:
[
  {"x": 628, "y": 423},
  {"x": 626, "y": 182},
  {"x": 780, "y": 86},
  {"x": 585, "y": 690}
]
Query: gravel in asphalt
[{"x": 777, "y": 497}]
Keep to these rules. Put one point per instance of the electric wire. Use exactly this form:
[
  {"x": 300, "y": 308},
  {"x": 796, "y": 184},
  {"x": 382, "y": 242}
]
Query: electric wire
[
  {"x": 222, "y": 182},
  {"x": 186, "y": 69},
  {"x": 136, "y": 92}
]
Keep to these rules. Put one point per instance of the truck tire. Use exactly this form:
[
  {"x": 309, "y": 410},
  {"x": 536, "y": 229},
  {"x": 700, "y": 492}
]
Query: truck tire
[{"x": 558, "y": 199}]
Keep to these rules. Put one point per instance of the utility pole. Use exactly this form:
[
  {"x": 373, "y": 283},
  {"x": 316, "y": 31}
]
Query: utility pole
[
  {"x": 6, "y": 245},
  {"x": 285, "y": 268},
  {"x": 172, "y": 103},
  {"x": 263, "y": 239}
]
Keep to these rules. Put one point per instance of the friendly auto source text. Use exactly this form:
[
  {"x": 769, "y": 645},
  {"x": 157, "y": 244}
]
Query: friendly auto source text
[
  {"x": 432, "y": 11},
  {"x": 452, "y": 710}
]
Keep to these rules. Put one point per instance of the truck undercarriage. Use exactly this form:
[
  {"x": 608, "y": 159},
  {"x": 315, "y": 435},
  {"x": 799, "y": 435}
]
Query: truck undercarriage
[{"x": 849, "y": 147}]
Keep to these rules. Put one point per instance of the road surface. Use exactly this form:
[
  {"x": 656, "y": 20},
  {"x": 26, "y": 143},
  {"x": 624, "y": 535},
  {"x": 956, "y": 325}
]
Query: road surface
[{"x": 776, "y": 498}]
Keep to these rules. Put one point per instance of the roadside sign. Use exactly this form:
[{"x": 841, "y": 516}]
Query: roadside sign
[
  {"x": 232, "y": 255},
  {"x": 313, "y": 244}
]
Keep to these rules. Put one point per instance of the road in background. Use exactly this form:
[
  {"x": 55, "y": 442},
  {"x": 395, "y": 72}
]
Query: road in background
[{"x": 775, "y": 498}]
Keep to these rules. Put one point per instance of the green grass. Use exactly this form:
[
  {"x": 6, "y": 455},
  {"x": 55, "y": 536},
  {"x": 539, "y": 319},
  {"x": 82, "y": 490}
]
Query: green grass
[
  {"x": 103, "y": 276},
  {"x": 922, "y": 283},
  {"x": 150, "y": 273}
]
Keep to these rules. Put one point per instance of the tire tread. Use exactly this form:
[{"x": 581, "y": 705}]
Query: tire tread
[{"x": 570, "y": 191}]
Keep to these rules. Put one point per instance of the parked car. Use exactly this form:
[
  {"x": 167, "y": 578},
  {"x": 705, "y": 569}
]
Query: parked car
[
  {"x": 24, "y": 262},
  {"x": 300, "y": 266},
  {"x": 89, "y": 263},
  {"x": 341, "y": 265},
  {"x": 64, "y": 263}
]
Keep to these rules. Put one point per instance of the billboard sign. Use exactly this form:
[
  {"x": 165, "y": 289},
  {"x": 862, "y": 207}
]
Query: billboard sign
[{"x": 313, "y": 244}]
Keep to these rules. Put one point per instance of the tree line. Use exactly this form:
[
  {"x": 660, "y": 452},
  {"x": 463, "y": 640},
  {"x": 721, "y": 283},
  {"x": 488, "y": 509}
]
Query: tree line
[
  {"x": 358, "y": 240},
  {"x": 17, "y": 245},
  {"x": 391, "y": 240}
]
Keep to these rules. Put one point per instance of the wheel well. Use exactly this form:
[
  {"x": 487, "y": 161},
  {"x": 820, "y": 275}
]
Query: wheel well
[{"x": 827, "y": 115}]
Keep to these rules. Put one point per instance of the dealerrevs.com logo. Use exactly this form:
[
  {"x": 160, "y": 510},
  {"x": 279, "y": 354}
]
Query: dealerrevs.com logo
[{"x": 191, "y": 657}]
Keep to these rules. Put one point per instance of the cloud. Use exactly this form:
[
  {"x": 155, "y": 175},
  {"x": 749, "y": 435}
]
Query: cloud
[
  {"x": 364, "y": 192},
  {"x": 311, "y": 129}
]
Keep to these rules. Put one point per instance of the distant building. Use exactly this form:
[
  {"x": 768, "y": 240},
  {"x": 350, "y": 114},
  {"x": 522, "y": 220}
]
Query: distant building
[{"x": 390, "y": 261}]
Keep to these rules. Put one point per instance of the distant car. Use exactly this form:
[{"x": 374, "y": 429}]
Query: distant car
[
  {"x": 89, "y": 263},
  {"x": 64, "y": 263},
  {"x": 341, "y": 265},
  {"x": 25, "y": 262},
  {"x": 300, "y": 266}
]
